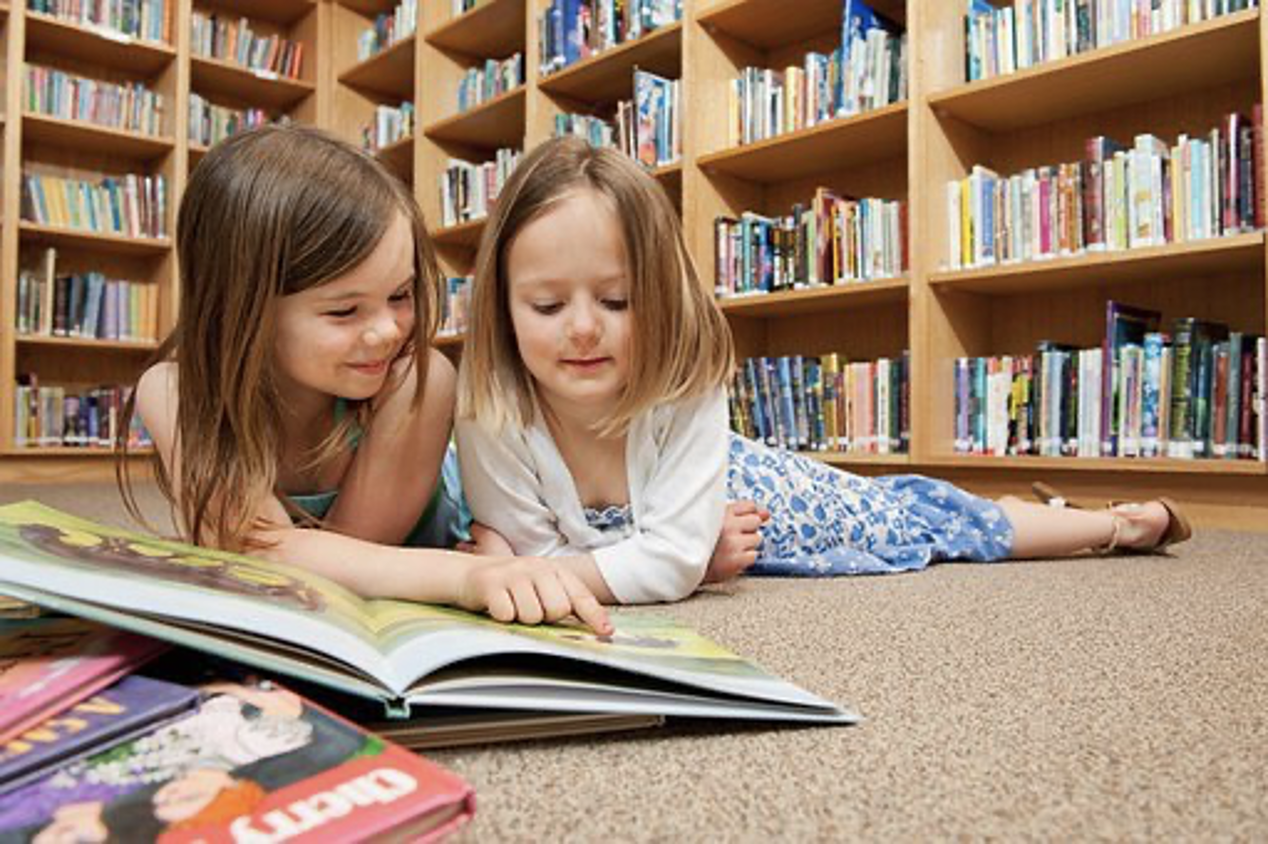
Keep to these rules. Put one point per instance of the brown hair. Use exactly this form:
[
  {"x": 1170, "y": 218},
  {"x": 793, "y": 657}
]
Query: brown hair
[
  {"x": 681, "y": 343},
  {"x": 267, "y": 213}
]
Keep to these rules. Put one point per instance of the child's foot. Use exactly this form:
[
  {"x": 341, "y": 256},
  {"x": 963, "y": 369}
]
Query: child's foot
[{"x": 1150, "y": 526}]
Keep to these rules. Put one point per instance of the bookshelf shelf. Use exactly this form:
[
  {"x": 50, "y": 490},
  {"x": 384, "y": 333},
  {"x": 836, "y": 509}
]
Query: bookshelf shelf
[
  {"x": 816, "y": 300},
  {"x": 498, "y": 122},
  {"x": 1194, "y": 57},
  {"x": 1202, "y": 258},
  {"x": 1028, "y": 463},
  {"x": 847, "y": 459},
  {"x": 277, "y": 11},
  {"x": 609, "y": 75},
  {"x": 216, "y": 76},
  {"x": 46, "y": 32},
  {"x": 389, "y": 72},
  {"x": 196, "y": 153},
  {"x": 449, "y": 341},
  {"x": 93, "y": 451},
  {"x": 399, "y": 157},
  {"x": 859, "y": 140},
  {"x": 76, "y": 239},
  {"x": 493, "y": 28},
  {"x": 463, "y": 234},
  {"x": 74, "y": 134},
  {"x": 768, "y": 23},
  {"x": 670, "y": 177},
  {"x": 86, "y": 344}
]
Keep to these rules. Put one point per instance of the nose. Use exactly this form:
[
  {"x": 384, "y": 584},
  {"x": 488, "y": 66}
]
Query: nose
[
  {"x": 584, "y": 326},
  {"x": 383, "y": 330}
]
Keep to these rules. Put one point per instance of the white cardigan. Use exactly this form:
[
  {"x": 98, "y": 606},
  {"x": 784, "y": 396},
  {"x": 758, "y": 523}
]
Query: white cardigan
[{"x": 676, "y": 462}]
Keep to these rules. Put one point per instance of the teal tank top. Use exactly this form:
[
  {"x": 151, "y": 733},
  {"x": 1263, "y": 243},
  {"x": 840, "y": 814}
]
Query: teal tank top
[{"x": 445, "y": 521}]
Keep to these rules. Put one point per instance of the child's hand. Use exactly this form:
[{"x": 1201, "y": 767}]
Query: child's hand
[
  {"x": 486, "y": 542},
  {"x": 531, "y": 590},
  {"x": 737, "y": 546}
]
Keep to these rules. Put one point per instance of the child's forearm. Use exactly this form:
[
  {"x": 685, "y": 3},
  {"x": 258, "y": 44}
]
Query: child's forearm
[
  {"x": 370, "y": 569},
  {"x": 529, "y": 590}
]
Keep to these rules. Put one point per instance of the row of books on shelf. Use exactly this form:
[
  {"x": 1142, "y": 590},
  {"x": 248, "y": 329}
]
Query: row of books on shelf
[
  {"x": 129, "y": 106},
  {"x": 133, "y": 205},
  {"x": 1118, "y": 197},
  {"x": 573, "y": 30},
  {"x": 455, "y": 305},
  {"x": 388, "y": 29},
  {"x": 646, "y": 128},
  {"x": 467, "y": 189},
  {"x": 832, "y": 241},
  {"x": 210, "y": 123},
  {"x": 1003, "y": 39},
  {"x": 390, "y": 124},
  {"x": 71, "y": 416},
  {"x": 764, "y": 103},
  {"x": 1195, "y": 393},
  {"x": 145, "y": 20},
  {"x": 85, "y": 304},
  {"x": 489, "y": 80},
  {"x": 215, "y": 37},
  {"x": 825, "y": 403}
]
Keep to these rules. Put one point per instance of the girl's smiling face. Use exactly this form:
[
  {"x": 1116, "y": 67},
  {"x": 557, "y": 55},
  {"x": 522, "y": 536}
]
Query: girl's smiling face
[
  {"x": 569, "y": 288},
  {"x": 340, "y": 338}
]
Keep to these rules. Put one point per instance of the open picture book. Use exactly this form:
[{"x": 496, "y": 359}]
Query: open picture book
[{"x": 408, "y": 656}]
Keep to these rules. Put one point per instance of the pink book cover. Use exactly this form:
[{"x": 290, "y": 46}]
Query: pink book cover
[{"x": 50, "y": 665}]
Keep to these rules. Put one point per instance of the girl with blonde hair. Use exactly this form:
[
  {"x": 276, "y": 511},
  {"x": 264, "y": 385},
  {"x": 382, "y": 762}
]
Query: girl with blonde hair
[
  {"x": 298, "y": 411},
  {"x": 592, "y": 415}
]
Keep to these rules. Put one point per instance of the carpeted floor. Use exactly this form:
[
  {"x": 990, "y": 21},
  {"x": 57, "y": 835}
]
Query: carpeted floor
[{"x": 1121, "y": 698}]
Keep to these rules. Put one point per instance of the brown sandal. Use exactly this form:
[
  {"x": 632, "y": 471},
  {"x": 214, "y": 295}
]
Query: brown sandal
[{"x": 1178, "y": 528}]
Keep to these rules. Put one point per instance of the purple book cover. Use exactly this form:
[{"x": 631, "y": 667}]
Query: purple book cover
[{"x": 111, "y": 716}]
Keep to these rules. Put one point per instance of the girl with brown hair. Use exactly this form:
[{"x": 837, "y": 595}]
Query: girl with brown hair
[{"x": 592, "y": 415}]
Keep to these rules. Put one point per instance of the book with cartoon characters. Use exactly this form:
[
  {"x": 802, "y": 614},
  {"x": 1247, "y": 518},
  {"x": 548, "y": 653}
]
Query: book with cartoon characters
[
  {"x": 46, "y": 666},
  {"x": 253, "y": 761},
  {"x": 408, "y": 656}
]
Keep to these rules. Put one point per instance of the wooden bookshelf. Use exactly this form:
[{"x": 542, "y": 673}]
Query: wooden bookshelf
[
  {"x": 492, "y": 28},
  {"x": 861, "y": 139},
  {"x": 48, "y": 145},
  {"x": 258, "y": 87},
  {"x": 96, "y": 47},
  {"x": 1182, "y": 81},
  {"x": 1196, "y": 57},
  {"x": 816, "y": 300},
  {"x": 498, "y": 122},
  {"x": 96, "y": 241},
  {"x": 389, "y": 72},
  {"x": 608, "y": 76},
  {"x": 41, "y": 129}
]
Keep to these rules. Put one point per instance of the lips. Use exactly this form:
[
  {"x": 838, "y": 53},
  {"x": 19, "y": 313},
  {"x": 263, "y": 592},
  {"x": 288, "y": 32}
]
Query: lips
[
  {"x": 376, "y": 368},
  {"x": 585, "y": 363}
]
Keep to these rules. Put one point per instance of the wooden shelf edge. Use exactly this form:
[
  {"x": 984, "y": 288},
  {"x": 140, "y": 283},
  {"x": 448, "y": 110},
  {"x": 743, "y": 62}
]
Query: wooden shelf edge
[
  {"x": 158, "y": 143},
  {"x": 1090, "y": 261},
  {"x": 149, "y": 245},
  {"x": 1032, "y": 463},
  {"x": 962, "y": 101},
  {"x": 824, "y": 297},
  {"x": 559, "y": 81},
  {"x": 85, "y": 343}
]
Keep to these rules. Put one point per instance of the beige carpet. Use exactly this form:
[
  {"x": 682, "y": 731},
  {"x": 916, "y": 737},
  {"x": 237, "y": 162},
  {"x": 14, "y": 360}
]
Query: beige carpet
[{"x": 1122, "y": 698}]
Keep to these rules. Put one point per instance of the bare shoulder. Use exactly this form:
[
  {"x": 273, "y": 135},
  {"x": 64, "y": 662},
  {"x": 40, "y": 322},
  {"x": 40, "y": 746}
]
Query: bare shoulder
[
  {"x": 441, "y": 386},
  {"x": 156, "y": 392}
]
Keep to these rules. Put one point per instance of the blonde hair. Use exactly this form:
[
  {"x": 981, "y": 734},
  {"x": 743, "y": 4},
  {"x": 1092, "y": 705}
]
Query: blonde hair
[
  {"x": 267, "y": 213},
  {"x": 681, "y": 343}
]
